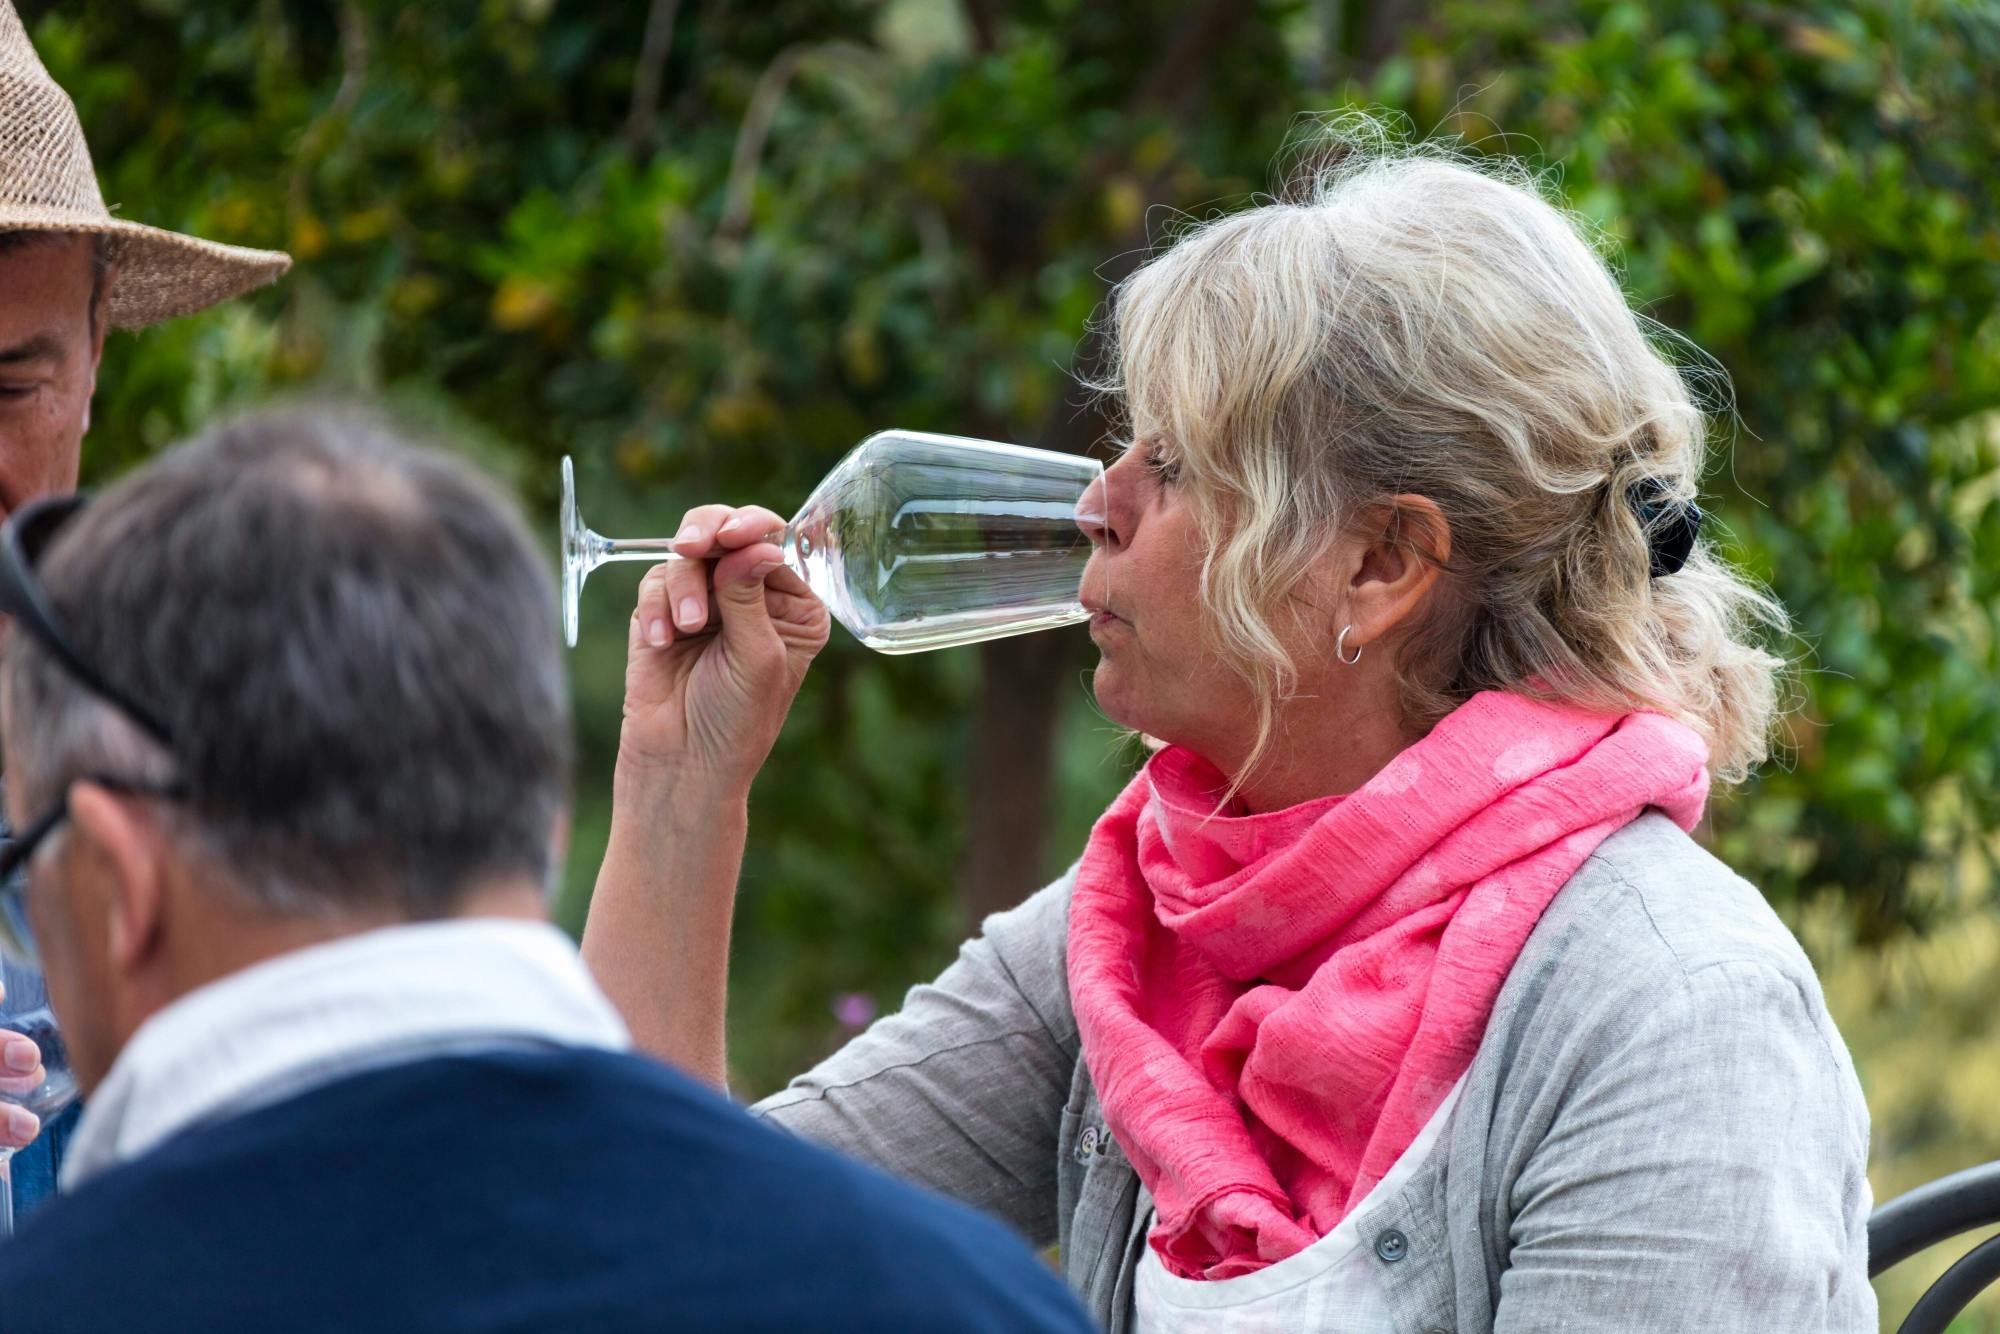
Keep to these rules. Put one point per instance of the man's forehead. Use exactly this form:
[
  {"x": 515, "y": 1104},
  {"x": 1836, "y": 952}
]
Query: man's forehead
[{"x": 47, "y": 283}]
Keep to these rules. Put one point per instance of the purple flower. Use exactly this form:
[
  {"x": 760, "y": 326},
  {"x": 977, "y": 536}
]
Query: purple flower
[{"x": 854, "y": 1010}]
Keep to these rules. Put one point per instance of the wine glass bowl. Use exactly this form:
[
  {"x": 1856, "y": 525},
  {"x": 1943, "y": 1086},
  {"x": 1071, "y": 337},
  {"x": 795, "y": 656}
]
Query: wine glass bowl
[
  {"x": 57, "y": 1087},
  {"x": 914, "y": 541}
]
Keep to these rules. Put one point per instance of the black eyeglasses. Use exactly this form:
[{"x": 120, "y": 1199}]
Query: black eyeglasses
[{"x": 23, "y": 539}]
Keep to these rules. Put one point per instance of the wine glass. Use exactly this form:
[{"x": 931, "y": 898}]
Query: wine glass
[
  {"x": 46, "y": 1099},
  {"x": 914, "y": 541}
]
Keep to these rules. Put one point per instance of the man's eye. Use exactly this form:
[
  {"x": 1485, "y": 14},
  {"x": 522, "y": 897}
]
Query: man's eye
[{"x": 15, "y": 390}]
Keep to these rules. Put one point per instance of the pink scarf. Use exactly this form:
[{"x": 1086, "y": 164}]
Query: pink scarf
[{"x": 1272, "y": 1006}]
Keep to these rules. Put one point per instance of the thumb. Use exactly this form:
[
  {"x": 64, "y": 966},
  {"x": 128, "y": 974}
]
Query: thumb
[{"x": 739, "y": 596}]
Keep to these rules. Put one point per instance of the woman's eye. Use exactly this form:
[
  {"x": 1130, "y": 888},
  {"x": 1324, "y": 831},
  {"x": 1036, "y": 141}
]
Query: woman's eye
[{"x": 1165, "y": 468}]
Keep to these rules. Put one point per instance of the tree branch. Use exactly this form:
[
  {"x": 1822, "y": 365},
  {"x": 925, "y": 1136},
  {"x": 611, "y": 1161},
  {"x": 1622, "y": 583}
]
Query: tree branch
[
  {"x": 985, "y": 25},
  {"x": 743, "y": 163},
  {"x": 354, "y": 72},
  {"x": 653, "y": 51},
  {"x": 1176, "y": 81}
]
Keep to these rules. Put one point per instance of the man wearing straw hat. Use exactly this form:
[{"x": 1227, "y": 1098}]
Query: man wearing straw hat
[{"x": 69, "y": 272}]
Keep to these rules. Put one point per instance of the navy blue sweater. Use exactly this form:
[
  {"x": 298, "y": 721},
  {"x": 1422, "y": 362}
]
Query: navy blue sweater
[{"x": 531, "y": 1190}]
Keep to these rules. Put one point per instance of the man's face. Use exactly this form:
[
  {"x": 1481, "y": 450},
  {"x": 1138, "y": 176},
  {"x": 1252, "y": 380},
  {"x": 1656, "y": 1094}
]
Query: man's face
[{"x": 48, "y": 364}]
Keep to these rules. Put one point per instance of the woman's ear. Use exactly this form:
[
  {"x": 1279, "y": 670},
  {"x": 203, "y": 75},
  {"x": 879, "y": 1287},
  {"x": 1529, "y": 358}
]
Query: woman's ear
[
  {"x": 121, "y": 872},
  {"x": 1406, "y": 543}
]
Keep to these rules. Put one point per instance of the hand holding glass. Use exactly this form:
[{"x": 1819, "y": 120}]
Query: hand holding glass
[
  {"x": 46, "y": 1097},
  {"x": 913, "y": 541}
]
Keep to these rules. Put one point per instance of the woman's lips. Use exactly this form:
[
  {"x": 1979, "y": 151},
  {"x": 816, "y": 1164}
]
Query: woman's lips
[{"x": 1101, "y": 615}]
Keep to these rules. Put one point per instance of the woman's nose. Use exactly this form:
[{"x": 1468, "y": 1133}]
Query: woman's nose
[
  {"x": 1090, "y": 511},
  {"x": 1096, "y": 515}
]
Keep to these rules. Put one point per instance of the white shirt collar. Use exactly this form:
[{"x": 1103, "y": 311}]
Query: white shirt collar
[{"x": 314, "y": 1014}]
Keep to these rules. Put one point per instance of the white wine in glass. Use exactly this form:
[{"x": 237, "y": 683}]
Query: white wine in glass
[{"x": 914, "y": 541}]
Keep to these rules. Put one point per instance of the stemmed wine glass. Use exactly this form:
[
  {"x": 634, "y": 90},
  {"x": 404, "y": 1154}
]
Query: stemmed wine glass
[
  {"x": 914, "y": 541},
  {"x": 24, "y": 1010}
]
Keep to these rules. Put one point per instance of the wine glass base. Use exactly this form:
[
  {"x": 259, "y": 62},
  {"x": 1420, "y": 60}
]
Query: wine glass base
[{"x": 573, "y": 559}]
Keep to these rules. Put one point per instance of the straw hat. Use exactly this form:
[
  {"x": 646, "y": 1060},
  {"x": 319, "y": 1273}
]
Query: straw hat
[{"x": 48, "y": 184}]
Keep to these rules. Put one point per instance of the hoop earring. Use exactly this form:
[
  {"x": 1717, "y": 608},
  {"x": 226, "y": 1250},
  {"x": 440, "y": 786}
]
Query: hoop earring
[{"x": 1340, "y": 646}]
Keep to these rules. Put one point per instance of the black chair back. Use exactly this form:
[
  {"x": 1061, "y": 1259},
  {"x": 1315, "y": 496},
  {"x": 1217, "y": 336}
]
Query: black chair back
[{"x": 1928, "y": 1215}]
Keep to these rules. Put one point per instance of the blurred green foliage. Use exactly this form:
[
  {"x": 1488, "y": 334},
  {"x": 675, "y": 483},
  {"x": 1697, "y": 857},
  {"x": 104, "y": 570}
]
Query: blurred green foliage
[
  {"x": 1812, "y": 200},
  {"x": 706, "y": 246}
]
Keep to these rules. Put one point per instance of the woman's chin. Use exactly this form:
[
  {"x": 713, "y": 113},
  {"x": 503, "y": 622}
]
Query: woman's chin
[
  {"x": 1116, "y": 699},
  {"x": 1122, "y": 702}
]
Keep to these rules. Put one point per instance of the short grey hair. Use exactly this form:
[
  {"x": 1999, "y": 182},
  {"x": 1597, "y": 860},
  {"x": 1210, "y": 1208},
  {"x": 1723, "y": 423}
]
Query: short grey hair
[{"x": 352, "y": 642}]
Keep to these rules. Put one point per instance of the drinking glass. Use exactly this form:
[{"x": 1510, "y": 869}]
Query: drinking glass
[
  {"x": 914, "y": 541},
  {"x": 47, "y": 1099}
]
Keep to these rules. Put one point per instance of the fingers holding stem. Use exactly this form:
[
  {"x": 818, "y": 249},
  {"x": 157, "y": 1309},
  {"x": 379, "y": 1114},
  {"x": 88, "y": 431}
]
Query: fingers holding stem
[{"x": 676, "y": 597}]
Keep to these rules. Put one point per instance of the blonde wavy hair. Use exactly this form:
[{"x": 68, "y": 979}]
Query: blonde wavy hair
[{"x": 1404, "y": 319}]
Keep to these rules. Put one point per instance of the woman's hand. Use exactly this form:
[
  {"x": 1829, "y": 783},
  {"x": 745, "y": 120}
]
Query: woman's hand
[
  {"x": 703, "y": 704},
  {"x": 717, "y": 648}
]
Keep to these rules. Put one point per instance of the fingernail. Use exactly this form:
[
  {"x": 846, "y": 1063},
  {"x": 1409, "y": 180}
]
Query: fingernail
[
  {"x": 23, "y": 1056},
  {"x": 687, "y": 534},
  {"x": 656, "y": 633},
  {"x": 22, "y": 1124},
  {"x": 763, "y": 571},
  {"x": 689, "y": 614}
]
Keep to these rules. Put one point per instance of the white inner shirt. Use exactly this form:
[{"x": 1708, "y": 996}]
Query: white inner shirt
[
  {"x": 1333, "y": 1284},
  {"x": 313, "y": 1015}
]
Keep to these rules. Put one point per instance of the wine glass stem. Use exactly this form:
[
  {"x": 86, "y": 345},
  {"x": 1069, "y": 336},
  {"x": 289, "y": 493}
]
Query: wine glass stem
[
  {"x": 650, "y": 549},
  {"x": 6, "y": 1192},
  {"x": 654, "y": 549}
]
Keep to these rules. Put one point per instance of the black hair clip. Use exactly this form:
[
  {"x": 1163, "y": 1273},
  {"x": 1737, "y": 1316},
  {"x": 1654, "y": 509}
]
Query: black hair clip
[{"x": 1671, "y": 524}]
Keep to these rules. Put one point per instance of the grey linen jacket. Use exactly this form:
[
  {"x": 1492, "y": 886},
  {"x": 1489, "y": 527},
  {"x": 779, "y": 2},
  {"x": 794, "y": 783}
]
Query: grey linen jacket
[{"x": 1661, "y": 1129}]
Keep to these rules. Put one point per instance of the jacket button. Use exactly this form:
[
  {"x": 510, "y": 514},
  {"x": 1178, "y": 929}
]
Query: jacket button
[{"x": 1392, "y": 1246}]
